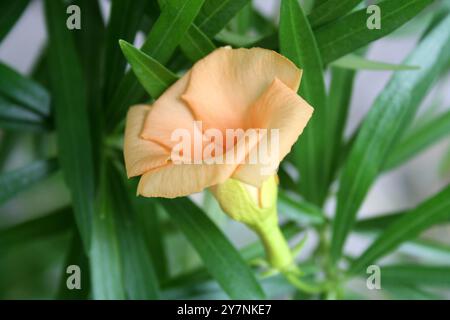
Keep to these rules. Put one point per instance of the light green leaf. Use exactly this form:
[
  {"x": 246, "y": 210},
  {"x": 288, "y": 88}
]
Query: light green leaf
[
  {"x": 196, "y": 45},
  {"x": 153, "y": 76},
  {"x": 356, "y": 62},
  {"x": 350, "y": 33},
  {"x": 418, "y": 140},
  {"x": 11, "y": 183},
  {"x": 219, "y": 256},
  {"x": 391, "y": 113},
  {"x": 407, "y": 227},
  {"x": 298, "y": 44},
  {"x": 71, "y": 117}
]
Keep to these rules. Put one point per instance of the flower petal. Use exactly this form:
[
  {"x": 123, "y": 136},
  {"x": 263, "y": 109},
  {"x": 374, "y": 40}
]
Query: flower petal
[
  {"x": 141, "y": 155},
  {"x": 227, "y": 82},
  {"x": 278, "y": 108},
  {"x": 176, "y": 180},
  {"x": 168, "y": 114}
]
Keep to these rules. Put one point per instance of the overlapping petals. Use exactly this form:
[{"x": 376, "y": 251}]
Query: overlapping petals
[{"x": 229, "y": 89}]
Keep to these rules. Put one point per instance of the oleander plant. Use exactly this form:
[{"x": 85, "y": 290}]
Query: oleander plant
[{"x": 95, "y": 205}]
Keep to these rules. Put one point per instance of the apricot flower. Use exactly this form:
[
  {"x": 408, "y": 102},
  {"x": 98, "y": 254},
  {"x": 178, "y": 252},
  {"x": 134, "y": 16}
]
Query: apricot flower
[{"x": 229, "y": 89}]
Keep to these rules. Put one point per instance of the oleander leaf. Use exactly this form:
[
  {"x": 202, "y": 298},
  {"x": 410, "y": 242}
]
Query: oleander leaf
[
  {"x": 419, "y": 139},
  {"x": 13, "y": 182},
  {"x": 71, "y": 117},
  {"x": 219, "y": 256},
  {"x": 407, "y": 227},
  {"x": 330, "y": 10},
  {"x": 350, "y": 33},
  {"x": 153, "y": 76},
  {"x": 11, "y": 12},
  {"x": 14, "y": 117},
  {"x": 391, "y": 113},
  {"x": 297, "y": 43},
  {"x": 356, "y": 62},
  {"x": 23, "y": 91},
  {"x": 417, "y": 275}
]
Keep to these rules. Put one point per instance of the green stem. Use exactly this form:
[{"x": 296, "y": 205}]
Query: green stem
[{"x": 276, "y": 247}]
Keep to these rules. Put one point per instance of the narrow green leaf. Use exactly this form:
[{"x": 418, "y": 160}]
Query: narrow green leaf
[
  {"x": 219, "y": 256},
  {"x": 297, "y": 43},
  {"x": 419, "y": 139},
  {"x": 75, "y": 257},
  {"x": 54, "y": 223},
  {"x": 71, "y": 117},
  {"x": 11, "y": 183},
  {"x": 418, "y": 275},
  {"x": 125, "y": 19},
  {"x": 23, "y": 91},
  {"x": 215, "y": 14},
  {"x": 300, "y": 211},
  {"x": 196, "y": 45},
  {"x": 160, "y": 44},
  {"x": 407, "y": 227},
  {"x": 14, "y": 117},
  {"x": 346, "y": 35},
  {"x": 339, "y": 100},
  {"x": 331, "y": 10},
  {"x": 356, "y": 62},
  {"x": 153, "y": 76},
  {"x": 11, "y": 12},
  {"x": 377, "y": 223},
  {"x": 8, "y": 140},
  {"x": 105, "y": 253},
  {"x": 139, "y": 275},
  {"x": 391, "y": 113},
  {"x": 149, "y": 215}
]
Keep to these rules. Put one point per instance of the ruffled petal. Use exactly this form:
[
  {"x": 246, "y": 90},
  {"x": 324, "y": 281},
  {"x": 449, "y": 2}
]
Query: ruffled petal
[
  {"x": 169, "y": 113},
  {"x": 227, "y": 82},
  {"x": 141, "y": 155},
  {"x": 177, "y": 180},
  {"x": 278, "y": 108}
]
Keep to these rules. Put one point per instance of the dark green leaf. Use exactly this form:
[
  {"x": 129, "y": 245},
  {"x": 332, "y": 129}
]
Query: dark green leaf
[
  {"x": 14, "y": 117},
  {"x": 339, "y": 100},
  {"x": 124, "y": 21},
  {"x": 418, "y": 140},
  {"x": 54, "y": 223},
  {"x": 215, "y": 14},
  {"x": 300, "y": 211},
  {"x": 331, "y": 10},
  {"x": 139, "y": 275},
  {"x": 23, "y": 91},
  {"x": 106, "y": 267},
  {"x": 346, "y": 35},
  {"x": 75, "y": 257},
  {"x": 418, "y": 275},
  {"x": 298, "y": 44},
  {"x": 391, "y": 113},
  {"x": 196, "y": 45},
  {"x": 11, "y": 183},
  {"x": 219, "y": 256},
  {"x": 71, "y": 117},
  {"x": 153, "y": 76},
  {"x": 11, "y": 12},
  {"x": 407, "y": 227}
]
